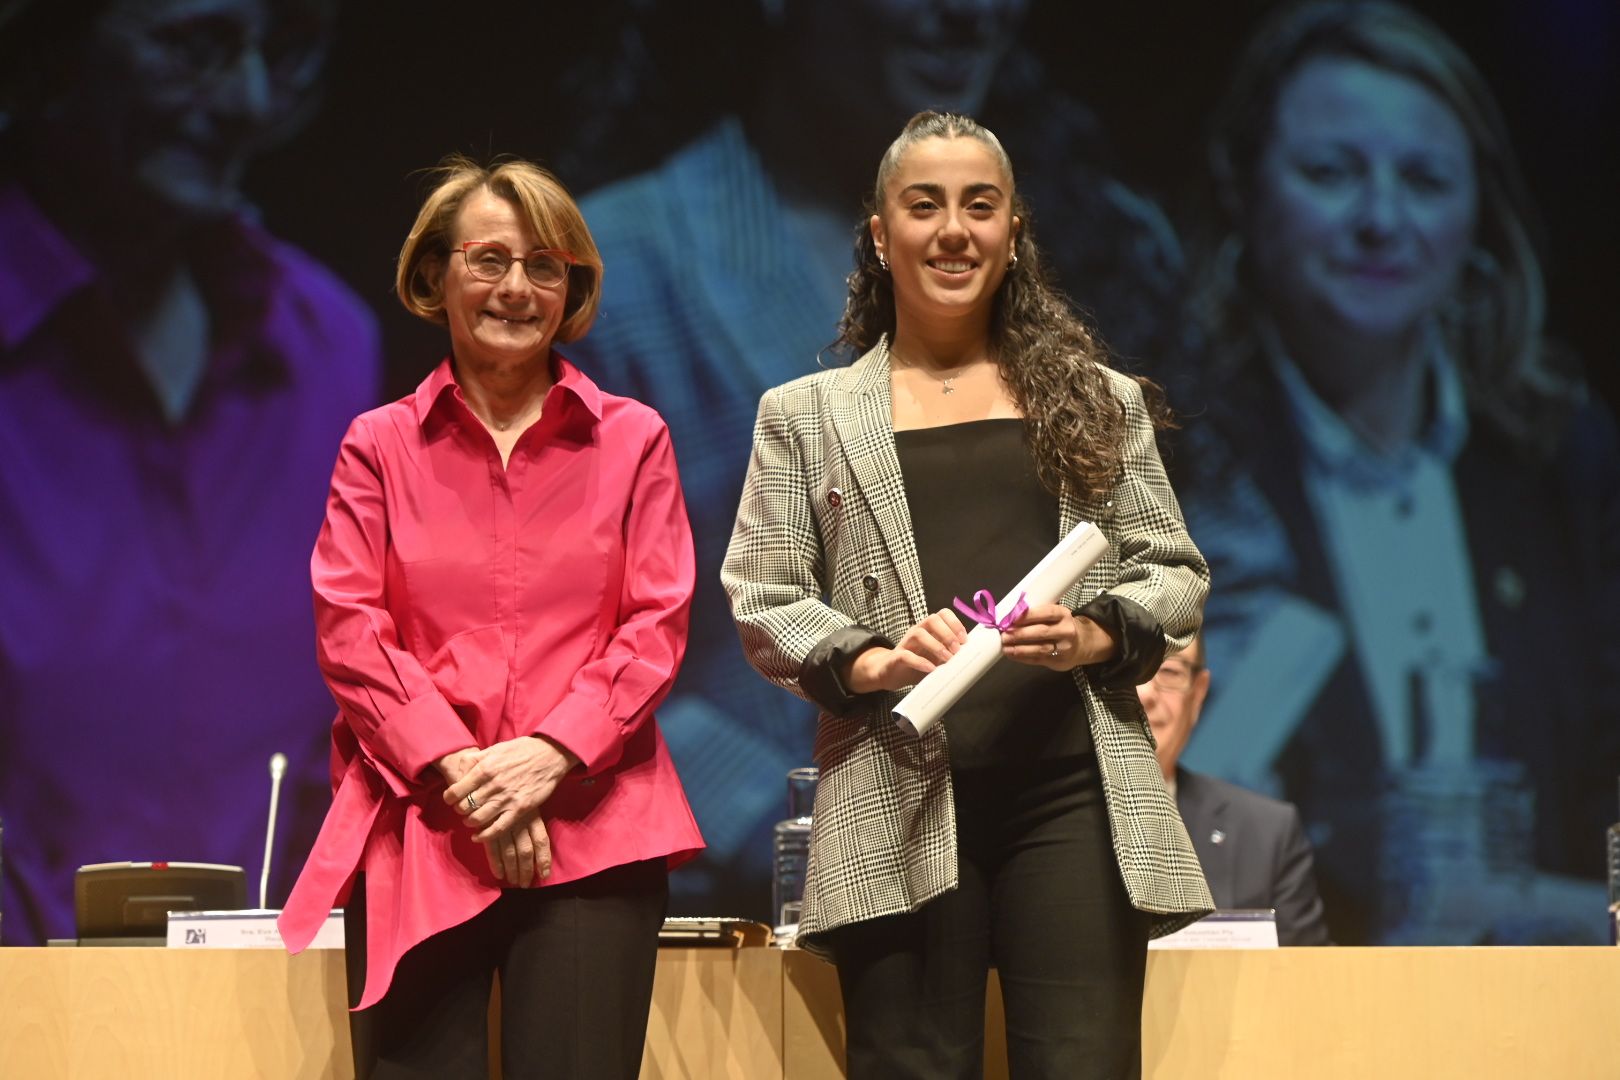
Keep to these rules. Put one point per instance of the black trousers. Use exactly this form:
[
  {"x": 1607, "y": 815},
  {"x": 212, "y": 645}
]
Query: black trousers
[
  {"x": 576, "y": 964},
  {"x": 1041, "y": 898}
]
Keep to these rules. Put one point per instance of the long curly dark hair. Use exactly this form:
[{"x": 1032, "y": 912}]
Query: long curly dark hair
[{"x": 1051, "y": 361}]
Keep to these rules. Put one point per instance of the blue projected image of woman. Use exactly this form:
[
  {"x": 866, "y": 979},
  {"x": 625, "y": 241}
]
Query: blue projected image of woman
[
  {"x": 1407, "y": 500},
  {"x": 730, "y": 258},
  {"x": 730, "y": 262}
]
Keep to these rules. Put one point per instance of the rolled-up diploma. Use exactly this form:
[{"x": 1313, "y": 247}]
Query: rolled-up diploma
[{"x": 1053, "y": 576}]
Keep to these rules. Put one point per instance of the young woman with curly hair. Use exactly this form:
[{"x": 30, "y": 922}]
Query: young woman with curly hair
[{"x": 1032, "y": 828}]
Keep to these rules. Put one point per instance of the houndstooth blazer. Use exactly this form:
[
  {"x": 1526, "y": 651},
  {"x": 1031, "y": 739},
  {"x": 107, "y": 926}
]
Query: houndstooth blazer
[{"x": 823, "y": 541}]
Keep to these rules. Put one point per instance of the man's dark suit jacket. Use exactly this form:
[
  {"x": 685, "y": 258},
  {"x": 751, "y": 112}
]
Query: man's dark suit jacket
[{"x": 1254, "y": 854}]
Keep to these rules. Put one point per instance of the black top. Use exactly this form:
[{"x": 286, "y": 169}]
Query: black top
[{"x": 981, "y": 520}]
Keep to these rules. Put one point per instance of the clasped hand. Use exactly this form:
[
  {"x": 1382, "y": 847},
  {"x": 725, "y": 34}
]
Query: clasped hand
[
  {"x": 508, "y": 783},
  {"x": 1048, "y": 635}
]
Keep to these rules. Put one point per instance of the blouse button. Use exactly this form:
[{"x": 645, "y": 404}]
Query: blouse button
[
  {"x": 871, "y": 582},
  {"x": 835, "y": 498}
]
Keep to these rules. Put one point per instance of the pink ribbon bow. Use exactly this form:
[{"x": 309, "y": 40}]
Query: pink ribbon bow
[{"x": 983, "y": 610}]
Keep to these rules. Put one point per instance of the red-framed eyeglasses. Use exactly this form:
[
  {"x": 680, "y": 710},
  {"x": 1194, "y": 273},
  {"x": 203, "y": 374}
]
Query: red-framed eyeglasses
[{"x": 489, "y": 260}]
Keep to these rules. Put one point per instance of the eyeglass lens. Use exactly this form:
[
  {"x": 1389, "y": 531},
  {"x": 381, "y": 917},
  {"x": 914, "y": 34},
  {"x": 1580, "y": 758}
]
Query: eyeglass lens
[
  {"x": 490, "y": 263},
  {"x": 1173, "y": 677}
]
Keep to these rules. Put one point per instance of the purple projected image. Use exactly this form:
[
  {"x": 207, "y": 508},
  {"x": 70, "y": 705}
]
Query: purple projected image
[{"x": 173, "y": 384}]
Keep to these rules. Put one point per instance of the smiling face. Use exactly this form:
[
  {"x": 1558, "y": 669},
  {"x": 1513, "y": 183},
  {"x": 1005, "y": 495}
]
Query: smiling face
[
  {"x": 947, "y": 229},
  {"x": 501, "y": 323},
  {"x": 1366, "y": 202}
]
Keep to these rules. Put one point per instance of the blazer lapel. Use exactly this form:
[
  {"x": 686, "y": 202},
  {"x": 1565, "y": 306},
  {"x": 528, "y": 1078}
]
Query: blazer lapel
[{"x": 863, "y": 418}]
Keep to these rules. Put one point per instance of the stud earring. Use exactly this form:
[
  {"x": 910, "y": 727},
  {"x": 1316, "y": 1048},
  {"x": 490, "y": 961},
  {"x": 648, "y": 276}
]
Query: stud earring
[
  {"x": 1012, "y": 264},
  {"x": 883, "y": 261}
]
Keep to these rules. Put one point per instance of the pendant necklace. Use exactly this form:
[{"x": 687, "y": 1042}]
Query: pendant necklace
[{"x": 945, "y": 384}]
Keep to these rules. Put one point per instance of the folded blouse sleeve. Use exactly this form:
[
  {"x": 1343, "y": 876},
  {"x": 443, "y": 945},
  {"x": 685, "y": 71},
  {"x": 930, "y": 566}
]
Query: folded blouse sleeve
[
  {"x": 614, "y": 694},
  {"x": 402, "y": 722}
]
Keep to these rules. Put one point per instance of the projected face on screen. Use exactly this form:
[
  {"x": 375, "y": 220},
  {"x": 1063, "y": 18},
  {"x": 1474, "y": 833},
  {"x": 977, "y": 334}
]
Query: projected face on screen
[
  {"x": 1366, "y": 201},
  {"x": 169, "y": 99},
  {"x": 910, "y": 54}
]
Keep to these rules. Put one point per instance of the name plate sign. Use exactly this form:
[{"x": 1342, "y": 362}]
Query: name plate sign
[
  {"x": 254, "y": 928},
  {"x": 1233, "y": 929}
]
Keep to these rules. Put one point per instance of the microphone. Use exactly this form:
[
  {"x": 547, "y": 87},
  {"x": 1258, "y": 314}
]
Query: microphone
[{"x": 278, "y": 769}]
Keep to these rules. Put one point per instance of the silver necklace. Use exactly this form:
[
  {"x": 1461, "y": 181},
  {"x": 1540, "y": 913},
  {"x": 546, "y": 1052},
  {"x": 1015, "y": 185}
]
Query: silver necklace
[{"x": 945, "y": 386}]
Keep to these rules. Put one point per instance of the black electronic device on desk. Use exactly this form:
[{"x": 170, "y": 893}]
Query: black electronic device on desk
[{"x": 128, "y": 903}]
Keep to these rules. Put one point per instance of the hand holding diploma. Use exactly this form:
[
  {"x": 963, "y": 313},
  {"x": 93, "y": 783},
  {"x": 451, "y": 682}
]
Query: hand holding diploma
[
  {"x": 925, "y": 646},
  {"x": 1034, "y": 635}
]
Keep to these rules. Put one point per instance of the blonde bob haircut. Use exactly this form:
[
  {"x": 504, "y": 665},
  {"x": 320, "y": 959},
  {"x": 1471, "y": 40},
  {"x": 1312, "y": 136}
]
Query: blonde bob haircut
[{"x": 543, "y": 204}]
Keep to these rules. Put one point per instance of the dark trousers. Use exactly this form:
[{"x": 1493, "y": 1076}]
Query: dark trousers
[
  {"x": 576, "y": 966},
  {"x": 1041, "y": 898}
]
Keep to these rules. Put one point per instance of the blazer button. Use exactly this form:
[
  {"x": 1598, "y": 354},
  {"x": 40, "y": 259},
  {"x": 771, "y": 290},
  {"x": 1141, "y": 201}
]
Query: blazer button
[
  {"x": 871, "y": 582},
  {"x": 835, "y": 498}
]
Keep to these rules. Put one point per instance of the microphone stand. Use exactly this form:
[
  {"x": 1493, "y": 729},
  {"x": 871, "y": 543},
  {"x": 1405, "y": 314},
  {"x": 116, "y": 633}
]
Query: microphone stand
[{"x": 278, "y": 769}]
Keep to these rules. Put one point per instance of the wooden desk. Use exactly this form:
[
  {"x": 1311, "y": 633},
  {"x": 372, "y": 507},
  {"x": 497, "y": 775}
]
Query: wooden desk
[{"x": 754, "y": 1014}]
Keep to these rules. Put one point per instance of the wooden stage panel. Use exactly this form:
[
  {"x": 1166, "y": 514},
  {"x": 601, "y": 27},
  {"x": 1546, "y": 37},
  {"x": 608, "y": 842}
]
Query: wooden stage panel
[
  {"x": 715, "y": 1013},
  {"x": 755, "y": 1014},
  {"x": 1390, "y": 1013},
  {"x": 139, "y": 1012}
]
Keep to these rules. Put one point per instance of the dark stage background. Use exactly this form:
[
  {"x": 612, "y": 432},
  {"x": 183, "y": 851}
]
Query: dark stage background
[{"x": 722, "y": 151}]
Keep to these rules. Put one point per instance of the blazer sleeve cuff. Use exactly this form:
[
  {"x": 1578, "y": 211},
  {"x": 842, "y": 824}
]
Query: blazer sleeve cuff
[
  {"x": 820, "y": 676},
  {"x": 1139, "y": 634}
]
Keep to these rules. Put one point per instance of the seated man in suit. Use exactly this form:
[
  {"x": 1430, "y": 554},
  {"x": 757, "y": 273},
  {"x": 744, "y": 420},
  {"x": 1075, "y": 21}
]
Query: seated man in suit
[{"x": 1253, "y": 849}]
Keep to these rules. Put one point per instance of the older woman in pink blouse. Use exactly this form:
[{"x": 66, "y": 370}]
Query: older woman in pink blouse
[{"x": 501, "y": 594}]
